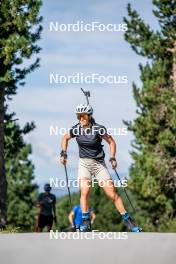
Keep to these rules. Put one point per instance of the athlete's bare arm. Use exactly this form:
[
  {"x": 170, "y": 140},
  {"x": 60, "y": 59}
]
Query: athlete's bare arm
[
  {"x": 64, "y": 142},
  {"x": 93, "y": 216},
  {"x": 71, "y": 217},
  {"x": 109, "y": 139}
]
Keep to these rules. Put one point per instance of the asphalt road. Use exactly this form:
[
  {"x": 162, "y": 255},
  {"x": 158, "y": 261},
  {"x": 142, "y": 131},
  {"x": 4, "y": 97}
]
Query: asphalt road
[{"x": 122, "y": 248}]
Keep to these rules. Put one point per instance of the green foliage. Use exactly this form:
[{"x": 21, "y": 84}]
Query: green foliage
[
  {"x": 153, "y": 173},
  {"x": 22, "y": 192},
  {"x": 20, "y": 29},
  {"x": 63, "y": 209},
  {"x": 10, "y": 230}
]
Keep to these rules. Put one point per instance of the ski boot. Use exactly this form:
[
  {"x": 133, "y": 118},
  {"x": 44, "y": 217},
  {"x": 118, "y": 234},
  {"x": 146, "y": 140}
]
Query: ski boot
[
  {"x": 130, "y": 223},
  {"x": 72, "y": 228},
  {"x": 77, "y": 228},
  {"x": 86, "y": 224}
]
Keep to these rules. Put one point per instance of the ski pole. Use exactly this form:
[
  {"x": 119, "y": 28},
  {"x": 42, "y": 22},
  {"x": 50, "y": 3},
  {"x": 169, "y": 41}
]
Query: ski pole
[
  {"x": 66, "y": 174},
  {"x": 125, "y": 191}
]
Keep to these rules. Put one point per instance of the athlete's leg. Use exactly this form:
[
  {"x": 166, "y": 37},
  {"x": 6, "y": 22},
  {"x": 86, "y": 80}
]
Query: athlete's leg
[
  {"x": 109, "y": 189},
  {"x": 49, "y": 222},
  {"x": 85, "y": 187},
  {"x": 84, "y": 177},
  {"x": 105, "y": 181},
  {"x": 107, "y": 184},
  {"x": 39, "y": 224},
  {"x": 49, "y": 228}
]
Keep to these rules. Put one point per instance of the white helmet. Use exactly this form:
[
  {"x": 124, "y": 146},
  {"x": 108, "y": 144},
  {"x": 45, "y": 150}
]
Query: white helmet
[{"x": 84, "y": 109}]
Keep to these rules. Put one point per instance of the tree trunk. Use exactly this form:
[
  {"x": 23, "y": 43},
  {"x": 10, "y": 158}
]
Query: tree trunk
[
  {"x": 174, "y": 65},
  {"x": 3, "y": 181}
]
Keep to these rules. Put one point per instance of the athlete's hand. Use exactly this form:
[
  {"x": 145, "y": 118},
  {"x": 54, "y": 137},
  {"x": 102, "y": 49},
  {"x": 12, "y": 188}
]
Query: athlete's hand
[
  {"x": 39, "y": 205},
  {"x": 113, "y": 163},
  {"x": 63, "y": 157},
  {"x": 63, "y": 160}
]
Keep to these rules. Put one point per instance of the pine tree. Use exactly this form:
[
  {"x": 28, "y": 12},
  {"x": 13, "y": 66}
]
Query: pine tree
[
  {"x": 22, "y": 191},
  {"x": 153, "y": 173},
  {"x": 20, "y": 28}
]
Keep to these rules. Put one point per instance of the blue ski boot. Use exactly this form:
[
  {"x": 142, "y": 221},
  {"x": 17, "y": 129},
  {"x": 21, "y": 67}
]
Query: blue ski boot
[
  {"x": 86, "y": 224},
  {"x": 130, "y": 223}
]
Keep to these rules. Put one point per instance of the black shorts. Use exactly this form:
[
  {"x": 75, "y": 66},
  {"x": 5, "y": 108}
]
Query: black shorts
[{"x": 45, "y": 220}]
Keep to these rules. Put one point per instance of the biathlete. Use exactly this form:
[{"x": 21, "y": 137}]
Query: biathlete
[{"x": 89, "y": 136}]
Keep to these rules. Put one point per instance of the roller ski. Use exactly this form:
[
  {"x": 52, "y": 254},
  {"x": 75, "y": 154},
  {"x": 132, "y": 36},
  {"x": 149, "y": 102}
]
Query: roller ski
[{"x": 131, "y": 226}]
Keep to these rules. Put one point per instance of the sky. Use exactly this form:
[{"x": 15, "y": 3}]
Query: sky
[{"x": 64, "y": 53}]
